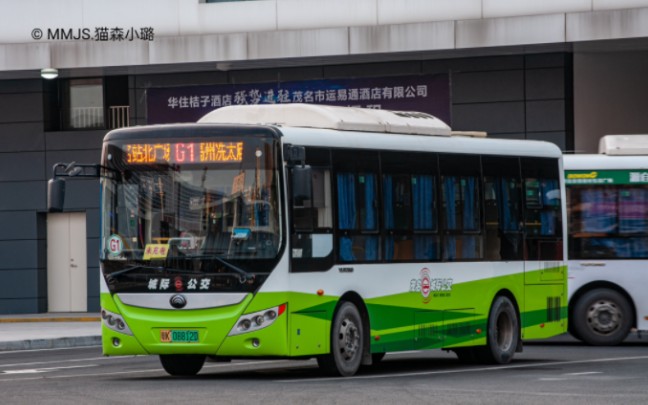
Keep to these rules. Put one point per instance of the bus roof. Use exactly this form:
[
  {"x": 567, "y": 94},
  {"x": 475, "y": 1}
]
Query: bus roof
[
  {"x": 455, "y": 144},
  {"x": 330, "y": 117},
  {"x": 604, "y": 162},
  {"x": 362, "y": 128},
  {"x": 635, "y": 145}
]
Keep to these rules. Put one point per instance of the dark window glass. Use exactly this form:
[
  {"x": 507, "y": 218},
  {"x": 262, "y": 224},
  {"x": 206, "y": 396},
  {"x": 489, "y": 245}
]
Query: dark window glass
[
  {"x": 542, "y": 219},
  {"x": 503, "y": 209},
  {"x": 356, "y": 185},
  {"x": 85, "y": 102},
  {"x": 409, "y": 206},
  {"x": 608, "y": 222},
  {"x": 461, "y": 207}
]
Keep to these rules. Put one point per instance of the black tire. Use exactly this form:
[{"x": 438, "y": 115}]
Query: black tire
[
  {"x": 182, "y": 364},
  {"x": 347, "y": 343},
  {"x": 502, "y": 335},
  {"x": 602, "y": 317},
  {"x": 570, "y": 326}
]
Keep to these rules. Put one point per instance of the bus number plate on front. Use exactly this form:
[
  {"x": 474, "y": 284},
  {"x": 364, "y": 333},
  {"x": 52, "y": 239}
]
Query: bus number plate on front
[{"x": 178, "y": 336}]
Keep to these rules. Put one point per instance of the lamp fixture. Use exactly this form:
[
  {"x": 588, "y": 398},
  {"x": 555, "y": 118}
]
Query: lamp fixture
[{"x": 49, "y": 73}]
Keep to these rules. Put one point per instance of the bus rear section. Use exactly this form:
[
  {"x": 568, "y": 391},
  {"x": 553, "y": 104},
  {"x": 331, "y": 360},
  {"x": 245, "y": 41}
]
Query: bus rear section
[{"x": 607, "y": 201}]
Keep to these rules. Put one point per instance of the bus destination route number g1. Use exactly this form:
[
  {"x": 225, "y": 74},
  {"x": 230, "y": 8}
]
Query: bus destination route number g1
[{"x": 186, "y": 152}]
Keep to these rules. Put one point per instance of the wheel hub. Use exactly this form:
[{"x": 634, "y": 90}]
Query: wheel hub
[
  {"x": 349, "y": 339},
  {"x": 604, "y": 316}
]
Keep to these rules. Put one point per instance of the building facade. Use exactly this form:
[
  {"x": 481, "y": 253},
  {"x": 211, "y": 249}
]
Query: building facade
[{"x": 563, "y": 71}]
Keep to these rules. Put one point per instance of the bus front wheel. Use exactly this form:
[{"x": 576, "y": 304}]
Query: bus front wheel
[
  {"x": 182, "y": 364},
  {"x": 602, "y": 317},
  {"x": 347, "y": 343}
]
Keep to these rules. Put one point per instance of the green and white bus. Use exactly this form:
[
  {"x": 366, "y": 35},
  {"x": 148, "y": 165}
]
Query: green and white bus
[
  {"x": 607, "y": 204},
  {"x": 302, "y": 231}
]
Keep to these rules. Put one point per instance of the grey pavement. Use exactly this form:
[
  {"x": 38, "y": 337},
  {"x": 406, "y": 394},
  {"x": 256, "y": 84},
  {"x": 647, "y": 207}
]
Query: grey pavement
[{"x": 49, "y": 331}]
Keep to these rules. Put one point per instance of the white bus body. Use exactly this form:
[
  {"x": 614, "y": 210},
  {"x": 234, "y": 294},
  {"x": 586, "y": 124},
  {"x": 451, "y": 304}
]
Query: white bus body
[{"x": 608, "y": 240}]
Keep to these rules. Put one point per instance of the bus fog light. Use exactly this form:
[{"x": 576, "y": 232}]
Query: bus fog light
[
  {"x": 116, "y": 342},
  {"x": 255, "y": 342}
]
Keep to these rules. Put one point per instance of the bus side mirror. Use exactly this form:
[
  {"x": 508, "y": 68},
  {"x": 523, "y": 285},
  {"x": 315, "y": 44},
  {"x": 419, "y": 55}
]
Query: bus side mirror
[
  {"x": 302, "y": 179},
  {"x": 55, "y": 194}
]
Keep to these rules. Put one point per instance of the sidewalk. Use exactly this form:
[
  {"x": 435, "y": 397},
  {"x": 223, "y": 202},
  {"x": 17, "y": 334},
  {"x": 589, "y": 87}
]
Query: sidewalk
[{"x": 49, "y": 331}]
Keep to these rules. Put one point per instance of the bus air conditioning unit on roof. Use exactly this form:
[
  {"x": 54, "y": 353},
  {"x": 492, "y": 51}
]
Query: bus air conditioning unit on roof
[
  {"x": 619, "y": 145},
  {"x": 330, "y": 117}
]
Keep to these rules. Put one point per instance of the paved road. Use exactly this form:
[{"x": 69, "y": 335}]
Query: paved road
[{"x": 561, "y": 370}]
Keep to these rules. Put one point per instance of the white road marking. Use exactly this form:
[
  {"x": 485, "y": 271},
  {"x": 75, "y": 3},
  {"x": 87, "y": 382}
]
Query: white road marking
[
  {"x": 569, "y": 374},
  {"x": 470, "y": 370},
  {"x": 155, "y": 370},
  {"x": 62, "y": 361},
  {"x": 585, "y": 373},
  {"x": 43, "y": 370},
  {"x": 49, "y": 349},
  {"x": 349, "y": 379}
]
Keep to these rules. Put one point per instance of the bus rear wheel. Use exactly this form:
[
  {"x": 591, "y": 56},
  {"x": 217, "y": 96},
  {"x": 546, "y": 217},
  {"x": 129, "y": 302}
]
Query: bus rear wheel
[
  {"x": 502, "y": 335},
  {"x": 347, "y": 343},
  {"x": 602, "y": 317},
  {"x": 182, "y": 364}
]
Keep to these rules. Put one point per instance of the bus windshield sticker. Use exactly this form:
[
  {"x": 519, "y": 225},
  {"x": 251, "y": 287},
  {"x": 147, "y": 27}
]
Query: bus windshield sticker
[
  {"x": 155, "y": 251},
  {"x": 114, "y": 245}
]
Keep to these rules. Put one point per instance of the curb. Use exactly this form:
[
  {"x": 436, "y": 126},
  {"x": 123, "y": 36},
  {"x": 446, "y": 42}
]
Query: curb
[
  {"x": 57, "y": 319},
  {"x": 57, "y": 343}
]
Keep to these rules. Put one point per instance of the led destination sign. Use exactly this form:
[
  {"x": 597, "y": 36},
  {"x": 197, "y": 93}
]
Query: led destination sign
[{"x": 185, "y": 152}]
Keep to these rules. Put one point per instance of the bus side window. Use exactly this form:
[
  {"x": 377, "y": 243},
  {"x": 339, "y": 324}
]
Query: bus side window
[
  {"x": 543, "y": 225},
  {"x": 357, "y": 205},
  {"x": 461, "y": 207},
  {"x": 312, "y": 219},
  {"x": 503, "y": 208},
  {"x": 608, "y": 221}
]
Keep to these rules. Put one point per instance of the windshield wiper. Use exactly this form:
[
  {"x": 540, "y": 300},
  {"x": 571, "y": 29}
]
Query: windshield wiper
[
  {"x": 142, "y": 267},
  {"x": 245, "y": 276}
]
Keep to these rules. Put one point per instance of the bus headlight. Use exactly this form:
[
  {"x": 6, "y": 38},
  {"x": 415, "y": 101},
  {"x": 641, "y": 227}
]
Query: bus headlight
[
  {"x": 115, "y": 322},
  {"x": 257, "y": 320}
]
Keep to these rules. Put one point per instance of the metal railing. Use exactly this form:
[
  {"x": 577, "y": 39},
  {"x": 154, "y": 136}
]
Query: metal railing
[
  {"x": 86, "y": 117},
  {"x": 93, "y": 117},
  {"x": 119, "y": 116}
]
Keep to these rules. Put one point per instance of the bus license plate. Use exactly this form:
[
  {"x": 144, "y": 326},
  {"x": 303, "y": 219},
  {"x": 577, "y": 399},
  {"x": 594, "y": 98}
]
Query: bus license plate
[{"x": 178, "y": 336}]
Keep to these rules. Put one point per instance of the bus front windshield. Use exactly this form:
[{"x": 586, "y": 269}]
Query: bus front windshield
[{"x": 186, "y": 220}]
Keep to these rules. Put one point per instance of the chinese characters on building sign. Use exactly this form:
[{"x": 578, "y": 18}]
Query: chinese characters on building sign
[{"x": 425, "y": 93}]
